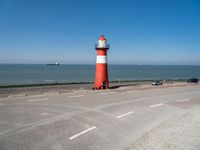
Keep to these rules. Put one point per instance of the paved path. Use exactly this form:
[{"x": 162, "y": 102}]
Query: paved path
[{"x": 102, "y": 120}]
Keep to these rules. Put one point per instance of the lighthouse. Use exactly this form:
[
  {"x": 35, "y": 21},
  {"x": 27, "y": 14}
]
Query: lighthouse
[{"x": 101, "y": 76}]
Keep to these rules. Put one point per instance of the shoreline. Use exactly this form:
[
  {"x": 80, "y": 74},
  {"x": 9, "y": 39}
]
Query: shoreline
[
  {"x": 84, "y": 82},
  {"x": 27, "y": 90}
]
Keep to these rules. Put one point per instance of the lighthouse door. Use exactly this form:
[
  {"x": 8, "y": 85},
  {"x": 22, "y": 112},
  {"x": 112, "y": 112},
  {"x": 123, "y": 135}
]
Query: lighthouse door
[{"x": 104, "y": 84}]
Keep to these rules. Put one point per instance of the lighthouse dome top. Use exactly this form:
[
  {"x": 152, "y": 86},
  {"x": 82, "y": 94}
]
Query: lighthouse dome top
[
  {"x": 102, "y": 43},
  {"x": 102, "y": 38}
]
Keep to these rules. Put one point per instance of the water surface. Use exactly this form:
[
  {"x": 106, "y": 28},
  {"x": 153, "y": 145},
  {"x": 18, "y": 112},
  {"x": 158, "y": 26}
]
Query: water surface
[{"x": 11, "y": 74}]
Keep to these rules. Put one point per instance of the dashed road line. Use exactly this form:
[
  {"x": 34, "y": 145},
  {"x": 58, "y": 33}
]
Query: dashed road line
[
  {"x": 123, "y": 115},
  {"x": 13, "y": 96},
  {"x": 130, "y": 91},
  {"x": 183, "y": 100},
  {"x": 40, "y": 95},
  {"x": 44, "y": 114},
  {"x": 107, "y": 93},
  {"x": 152, "y": 106},
  {"x": 81, "y": 133},
  {"x": 41, "y": 99},
  {"x": 72, "y": 96},
  {"x": 145, "y": 99},
  {"x": 66, "y": 93},
  {"x": 53, "y": 93}
]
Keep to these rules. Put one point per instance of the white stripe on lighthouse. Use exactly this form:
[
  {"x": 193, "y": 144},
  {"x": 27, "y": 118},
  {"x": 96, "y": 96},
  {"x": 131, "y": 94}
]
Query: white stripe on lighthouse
[{"x": 101, "y": 59}]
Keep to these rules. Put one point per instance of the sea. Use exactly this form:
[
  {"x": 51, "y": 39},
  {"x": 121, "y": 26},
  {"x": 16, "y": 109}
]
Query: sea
[{"x": 22, "y": 74}]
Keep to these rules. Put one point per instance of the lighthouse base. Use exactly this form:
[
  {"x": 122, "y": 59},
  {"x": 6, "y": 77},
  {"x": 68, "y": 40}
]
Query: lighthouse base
[
  {"x": 101, "y": 80},
  {"x": 101, "y": 85}
]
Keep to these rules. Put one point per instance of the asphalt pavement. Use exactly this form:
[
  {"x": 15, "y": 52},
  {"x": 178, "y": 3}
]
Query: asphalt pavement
[{"x": 113, "y": 119}]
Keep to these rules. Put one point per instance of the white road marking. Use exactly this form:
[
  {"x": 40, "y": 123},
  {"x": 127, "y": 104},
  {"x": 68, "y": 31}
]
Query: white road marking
[
  {"x": 13, "y": 97},
  {"x": 53, "y": 93},
  {"x": 41, "y": 99},
  {"x": 75, "y": 96},
  {"x": 122, "y": 88},
  {"x": 66, "y": 93},
  {"x": 21, "y": 95},
  {"x": 126, "y": 114},
  {"x": 44, "y": 114},
  {"x": 131, "y": 91},
  {"x": 155, "y": 105},
  {"x": 183, "y": 100},
  {"x": 40, "y": 95},
  {"x": 107, "y": 93},
  {"x": 146, "y": 98},
  {"x": 81, "y": 133},
  {"x": 145, "y": 86}
]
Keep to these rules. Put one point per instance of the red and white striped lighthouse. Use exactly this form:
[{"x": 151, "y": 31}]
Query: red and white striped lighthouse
[{"x": 101, "y": 78}]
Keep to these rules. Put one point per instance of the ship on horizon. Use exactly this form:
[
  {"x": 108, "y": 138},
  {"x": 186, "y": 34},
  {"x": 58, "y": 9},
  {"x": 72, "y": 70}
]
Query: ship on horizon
[{"x": 55, "y": 64}]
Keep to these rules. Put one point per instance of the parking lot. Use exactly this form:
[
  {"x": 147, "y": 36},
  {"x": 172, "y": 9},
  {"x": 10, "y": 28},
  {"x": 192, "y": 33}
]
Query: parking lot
[{"x": 99, "y": 120}]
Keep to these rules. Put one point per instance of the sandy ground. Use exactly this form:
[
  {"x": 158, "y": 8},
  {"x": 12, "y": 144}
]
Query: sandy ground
[{"x": 179, "y": 133}]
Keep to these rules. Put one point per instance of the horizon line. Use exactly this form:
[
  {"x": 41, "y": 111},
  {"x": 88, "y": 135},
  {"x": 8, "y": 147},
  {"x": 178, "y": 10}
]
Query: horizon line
[{"x": 108, "y": 64}]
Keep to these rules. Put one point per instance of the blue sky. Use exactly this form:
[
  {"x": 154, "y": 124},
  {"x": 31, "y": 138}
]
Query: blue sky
[{"x": 65, "y": 31}]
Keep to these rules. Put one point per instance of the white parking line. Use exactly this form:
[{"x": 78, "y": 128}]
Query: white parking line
[
  {"x": 75, "y": 96},
  {"x": 155, "y": 105},
  {"x": 131, "y": 91},
  {"x": 66, "y": 93},
  {"x": 39, "y": 95},
  {"x": 41, "y": 99},
  {"x": 81, "y": 133},
  {"x": 183, "y": 100},
  {"x": 124, "y": 114},
  {"x": 20, "y": 95},
  {"x": 107, "y": 93},
  {"x": 53, "y": 93}
]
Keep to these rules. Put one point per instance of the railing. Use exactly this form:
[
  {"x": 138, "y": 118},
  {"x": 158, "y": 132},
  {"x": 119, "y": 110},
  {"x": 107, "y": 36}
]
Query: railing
[{"x": 107, "y": 46}]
